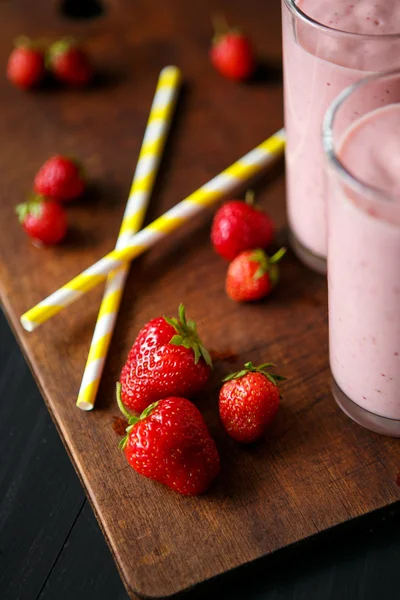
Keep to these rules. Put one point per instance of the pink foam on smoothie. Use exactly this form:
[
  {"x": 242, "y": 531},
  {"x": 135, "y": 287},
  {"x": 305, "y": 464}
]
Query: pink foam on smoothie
[
  {"x": 318, "y": 64},
  {"x": 371, "y": 150},
  {"x": 355, "y": 16},
  {"x": 363, "y": 266}
]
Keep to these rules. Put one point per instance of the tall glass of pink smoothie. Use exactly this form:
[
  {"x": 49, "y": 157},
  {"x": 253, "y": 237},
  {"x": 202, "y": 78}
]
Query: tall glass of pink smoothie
[
  {"x": 327, "y": 46},
  {"x": 361, "y": 138}
]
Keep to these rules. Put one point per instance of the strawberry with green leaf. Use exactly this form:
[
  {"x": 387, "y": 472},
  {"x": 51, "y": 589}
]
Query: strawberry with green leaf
[
  {"x": 69, "y": 62},
  {"x": 170, "y": 443},
  {"x": 43, "y": 220},
  {"x": 252, "y": 275},
  {"x": 249, "y": 401},
  {"x": 167, "y": 358}
]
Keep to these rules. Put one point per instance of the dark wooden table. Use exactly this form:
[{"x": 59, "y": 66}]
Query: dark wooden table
[{"x": 51, "y": 546}]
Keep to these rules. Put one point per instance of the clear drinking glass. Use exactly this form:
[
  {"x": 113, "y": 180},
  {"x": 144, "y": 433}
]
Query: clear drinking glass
[
  {"x": 364, "y": 250},
  {"x": 319, "y": 62}
]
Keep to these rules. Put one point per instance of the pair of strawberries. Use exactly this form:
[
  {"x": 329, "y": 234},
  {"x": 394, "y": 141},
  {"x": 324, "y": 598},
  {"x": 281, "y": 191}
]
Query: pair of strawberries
[
  {"x": 29, "y": 62},
  {"x": 60, "y": 179},
  {"x": 239, "y": 233},
  {"x": 170, "y": 442}
]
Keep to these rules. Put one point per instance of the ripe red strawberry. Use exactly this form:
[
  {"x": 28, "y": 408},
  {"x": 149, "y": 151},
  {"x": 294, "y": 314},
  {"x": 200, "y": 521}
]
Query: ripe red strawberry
[
  {"x": 69, "y": 62},
  {"x": 171, "y": 444},
  {"x": 43, "y": 220},
  {"x": 25, "y": 67},
  {"x": 166, "y": 359},
  {"x": 252, "y": 275},
  {"x": 248, "y": 402},
  {"x": 60, "y": 178},
  {"x": 239, "y": 226},
  {"x": 232, "y": 53}
]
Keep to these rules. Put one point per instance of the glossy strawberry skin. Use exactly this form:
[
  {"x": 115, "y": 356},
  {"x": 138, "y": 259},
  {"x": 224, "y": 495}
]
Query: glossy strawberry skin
[
  {"x": 156, "y": 369},
  {"x": 25, "y": 67},
  {"x": 247, "y": 406},
  {"x": 174, "y": 447},
  {"x": 49, "y": 226},
  {"x": 242, "y": 285},
  {"x": 232, "y": 56},
  {"x": 72, "y": 67},
  {"x": 238, "y": 226},
  {"x": 59, "y": 178}
]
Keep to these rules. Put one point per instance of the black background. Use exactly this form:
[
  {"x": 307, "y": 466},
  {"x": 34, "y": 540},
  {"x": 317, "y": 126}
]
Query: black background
[{"x": 51, "y": 546}]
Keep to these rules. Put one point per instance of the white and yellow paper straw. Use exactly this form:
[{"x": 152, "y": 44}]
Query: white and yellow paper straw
[
  {"x": 234, "y": 176},
  {"x": 142, "y": 185}
]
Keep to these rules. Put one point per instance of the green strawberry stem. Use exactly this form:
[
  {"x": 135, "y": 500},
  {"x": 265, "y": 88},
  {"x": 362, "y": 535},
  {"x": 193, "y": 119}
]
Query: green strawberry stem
[
  {"x": 22, "y": 211},
  {"x": 267, "y": 264},
  {"x": 275, "y": 258},
  {"x": 187, "y": 336},
  {"x": 220, "y": 26},
  {"x": 260, "y": 257},
  {"x": 132, "y": 419},
  {"x": 249, "y": 197},
  {"x": 121, "y": 405},
  {"x": 23, "y": 41},
  {"x": 250, "y": 368},
  {"x": 273, "y": 265},
  {"x": 31, "y": 207},
  {"x": 59, "y": 48}
]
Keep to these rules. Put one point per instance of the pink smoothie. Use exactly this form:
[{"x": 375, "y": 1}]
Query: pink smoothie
[
  {"x": 364, "y": 266},
  {"x": 319, "y": 62}
]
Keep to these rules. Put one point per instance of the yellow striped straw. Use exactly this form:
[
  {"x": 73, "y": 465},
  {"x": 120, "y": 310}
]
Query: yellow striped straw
[
  {"x": 142, "y": 185},
  {"x": 234, "y": 176}
]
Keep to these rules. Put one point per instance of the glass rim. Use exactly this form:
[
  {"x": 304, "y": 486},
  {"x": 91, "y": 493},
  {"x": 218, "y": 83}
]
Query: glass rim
[
  {"x": 292, "y": 6},
  {"x": 372, "y": 192}
]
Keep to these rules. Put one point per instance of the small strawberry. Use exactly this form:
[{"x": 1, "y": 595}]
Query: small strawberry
[
  {"x": 252, "y": 275},
  {"x": 232, "y": 52},
  {"x": 171, "y": 444},
  {"x": 60, "y": 178},
  {"x": 167, "y": 358},
  {"x": 248, "y": 402},
  {"x": 25, "y": 67},
  {"x": 43, "y": 220},
  {"x": 69, "y": 62},
  {"x": 239, "y": 226}
]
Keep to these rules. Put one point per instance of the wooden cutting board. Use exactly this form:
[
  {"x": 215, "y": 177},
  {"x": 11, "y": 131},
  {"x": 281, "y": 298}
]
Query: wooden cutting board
[{"x": 315, "y": 468}]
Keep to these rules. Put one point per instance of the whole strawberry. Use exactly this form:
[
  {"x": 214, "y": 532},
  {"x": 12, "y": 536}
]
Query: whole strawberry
[
  {"x": 60, "y": 178},
  {"x": 43, "y": 220},
  {"x": 25, "y": 67},
  {"x": 69, "y": 63},
  {"x": 252, "y": 275},
  {"x": 248, "y": 402},
  {"x": 239, "y": 226},
  {"x": 171, "y": 444},
  {"x": 232, "y": 53},
  {"x": 166, "y": 359}
]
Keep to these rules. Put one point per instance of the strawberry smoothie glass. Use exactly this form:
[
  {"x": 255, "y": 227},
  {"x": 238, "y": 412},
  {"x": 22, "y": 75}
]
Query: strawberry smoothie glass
[
  {"x": 327, "y": 46},
  {"x": 361, "y": 138}
]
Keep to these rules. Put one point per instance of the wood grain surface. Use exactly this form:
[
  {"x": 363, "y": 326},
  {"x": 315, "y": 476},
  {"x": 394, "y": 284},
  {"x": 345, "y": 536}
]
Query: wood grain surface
[
  {"x": 315, "y": 468},
  {"x": 47, "y": 528}
]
